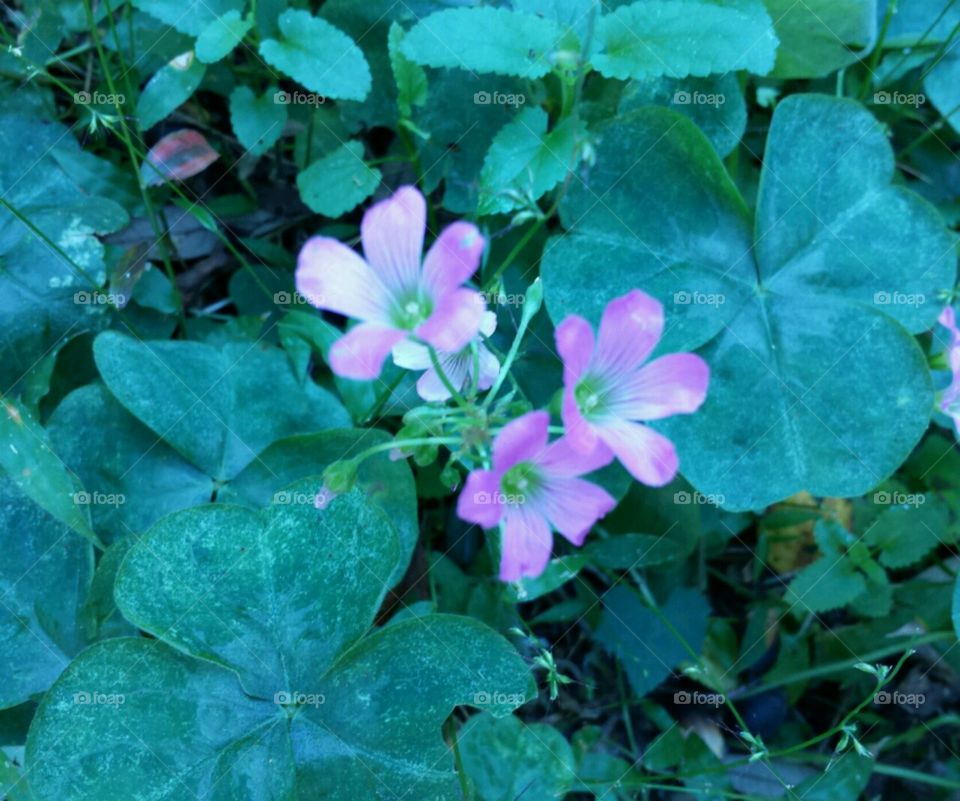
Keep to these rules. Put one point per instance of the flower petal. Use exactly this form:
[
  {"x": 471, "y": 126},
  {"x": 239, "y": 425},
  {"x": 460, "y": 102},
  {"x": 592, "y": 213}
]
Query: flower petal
[
  {"x": 582, "y": 435},
  {"x": 520, "y": 440},
  {"x": 361, "y": 351},
  {"x": 411, "y": 355},
  {"x": 561, "y": 459},
  {"x": 331, "y": 276},
  {"x": 673, "y": 384},
  {"x": 574, "y": 338},
  {"x": 455, "y": 320},
  {"x": 527, "y": 543},
  {"x": 648, "y": 456},
  {"x": 488, "y": 324},
  {"x": 453, "y": 258},
  {"x": 392, "y": 233},
  {"x": 431, "y": 388},
  {"x": 489, "y": 368},
  {"x": 573, "y": 506},
  {"x": 630, "y": 329},
  {"x": 479, "y": 500}
]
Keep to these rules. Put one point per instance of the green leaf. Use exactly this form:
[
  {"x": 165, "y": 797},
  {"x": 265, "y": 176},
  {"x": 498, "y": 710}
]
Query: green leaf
[
  {"x": 410, "y": 78},
  {"x": 513, "y": 43},
  {"x": 257, "y": 121},
  {"x": 339, "y": 181},
  {"x": 45, "y": 575},
  {"x": 208, "y": 403},
  {"x": 942, "y": 84},
  {"x": 648, "y": 649},
  {"x": 192, "y": 17},
  {"x": 955, "y": 608},
  {"x": 685, "y": 37},
  {"x": 822, "y": 303},
  {"x": 525, "y": 162},
  {"x": 846, "y": 780},
  {"x": 221, "y": 36},
  {"x": 319, "y": 56},
  {"x": 905, "y": 533},
  {"x": 49, "y": 291},
  {"x": 818, "y": 37},
  {"x": 715, "y": 104},
  {"x": 38, "y": 472},
  {"x": 929, "y": 22},
  {"x": 320, "y": 706},
  {"x": 507, "y": 760},
  {"x": 829, "y": 583},
  {"x": 171, "y": 87}
]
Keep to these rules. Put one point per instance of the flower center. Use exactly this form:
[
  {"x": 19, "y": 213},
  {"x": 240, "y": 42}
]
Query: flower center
[
  {"x": 589, "y": 396},
  {"x": 519, "y": 482},
  {"x": 412, "y": 310}
]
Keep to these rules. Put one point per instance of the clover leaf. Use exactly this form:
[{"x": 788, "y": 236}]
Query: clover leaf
[
  {"x": 805, "y": 317},
  {"x": 266, "y": 678}
]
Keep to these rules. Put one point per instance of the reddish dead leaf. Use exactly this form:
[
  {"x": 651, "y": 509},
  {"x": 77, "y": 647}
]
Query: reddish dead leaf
[{"x": 176, "y": 157}]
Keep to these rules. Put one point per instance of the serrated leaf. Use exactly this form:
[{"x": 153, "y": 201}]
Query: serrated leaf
[
  {"x": 904, "y": 534},
  {"x": 339, "y": 181},
  {"x": 831, "y": 582},
  {"x": 525, "y": 160},
  {"x": 208, "y": 403},
  {"x": 45, "y": 575},
  {"x": 505, "y": 759},
  {"x": 221, "y": 36},
  {"x": 864, "y": 259},
  {"x": 410, "y": 78},
  {"x": 818, "y": 37},
  {"x": 331, "y": 709},
  {"x": 257, "y": 121},
  {"x": 169, "y": 88},
  {"x": 319, "y": 56},
  {"x": 513, "y": 43},
  {"x": 685, "y": 37}
]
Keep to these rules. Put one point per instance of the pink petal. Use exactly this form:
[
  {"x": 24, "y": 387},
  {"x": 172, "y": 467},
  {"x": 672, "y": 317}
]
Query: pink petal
[
  {"x": 527, "y": 543},
  {"x": 361, "y": 351},
  {"x": 392, "y": 234},
  {"x": 489, "y": 368},
  {"x": 455, "y": 320},
  {"x": 630, "y": 329},
  {"x": 574, "y": 338},
  {"x": 582, "y": 435},
  {"x": 520, "y": 440},
  {"x": 478, "y": 502},
  {"x": 573, "y": 506},
  {"x": 562, "y": 460},
  {"x": 176, "y": 157},
  {"x": 648, "y": 456},
  {"x": 453, "y": 258},
  {"x": 673, "y": 384},
  {"x": 332, "y": 276}
]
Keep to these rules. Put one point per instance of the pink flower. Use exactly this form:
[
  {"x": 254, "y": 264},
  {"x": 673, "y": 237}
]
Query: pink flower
[
  {"x": 950, "y": 399},
  {"x": 608, "y": 390},
  {"x": 393, "y": 293},
  {"x": 458, "y": 367},
  {"x": 534, "y": 488}
]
